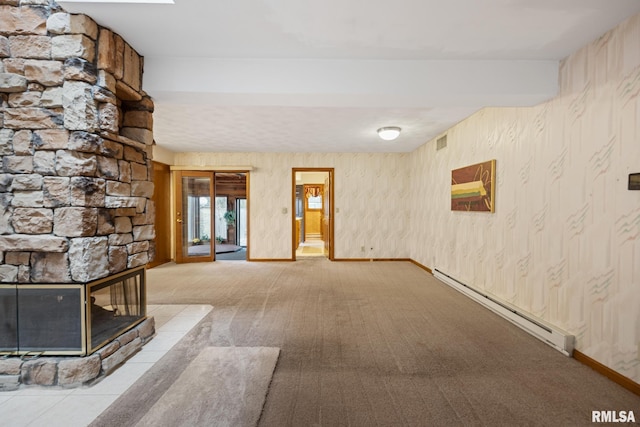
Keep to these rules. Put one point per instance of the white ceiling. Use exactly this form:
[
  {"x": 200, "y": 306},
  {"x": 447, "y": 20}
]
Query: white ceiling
[{"x": 296, "y": 76}]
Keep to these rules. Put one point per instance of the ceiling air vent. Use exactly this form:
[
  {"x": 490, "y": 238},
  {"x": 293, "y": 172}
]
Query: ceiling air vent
[{"x": 441, "y": 142}]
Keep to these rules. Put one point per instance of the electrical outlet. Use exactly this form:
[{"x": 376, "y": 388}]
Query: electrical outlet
[
  {"x": 361, "y": 248},
  {"x": 638, "y": 350}
]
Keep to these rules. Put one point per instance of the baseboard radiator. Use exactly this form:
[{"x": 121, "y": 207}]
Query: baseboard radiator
[{"x": 555, "y": 337}]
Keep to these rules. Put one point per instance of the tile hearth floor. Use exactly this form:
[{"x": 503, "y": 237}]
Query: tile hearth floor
[{"x": 37, "y": 406}]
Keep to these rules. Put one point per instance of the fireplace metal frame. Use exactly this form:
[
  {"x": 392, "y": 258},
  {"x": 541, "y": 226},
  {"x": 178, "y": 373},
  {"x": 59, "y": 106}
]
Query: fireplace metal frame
[
  {"x": 7, "y": 351},
  {"x": 112, "y": 280},
  {"x": 82, "y": 342},
  {"x": 84, "y": 337}
]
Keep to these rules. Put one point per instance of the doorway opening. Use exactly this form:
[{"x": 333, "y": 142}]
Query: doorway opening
[
  {"x": 313, "y": 213},
  {"x": 231, "y": 216}
]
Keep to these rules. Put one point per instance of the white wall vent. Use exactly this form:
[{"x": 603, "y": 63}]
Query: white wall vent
[{"x": 441, "y": 142}]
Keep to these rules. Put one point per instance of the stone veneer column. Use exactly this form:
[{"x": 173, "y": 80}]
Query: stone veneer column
[{"x": 75, "y": 148}]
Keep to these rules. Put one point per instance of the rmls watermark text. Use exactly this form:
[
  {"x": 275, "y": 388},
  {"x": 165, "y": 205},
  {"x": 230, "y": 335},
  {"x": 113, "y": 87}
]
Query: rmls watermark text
[{"x": 613, "y": 417}]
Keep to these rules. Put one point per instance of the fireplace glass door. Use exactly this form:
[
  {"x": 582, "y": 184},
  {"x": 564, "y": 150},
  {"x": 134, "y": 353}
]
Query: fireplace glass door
[{"x": 115, "y": 304}]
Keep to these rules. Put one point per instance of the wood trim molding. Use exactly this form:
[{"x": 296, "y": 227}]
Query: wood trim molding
[
  {"x": 211, "y": 168},
  {"x": 614, "y": 376},
  {"x": 424, "y": 267},
  {"x": 370, "y": 259}
]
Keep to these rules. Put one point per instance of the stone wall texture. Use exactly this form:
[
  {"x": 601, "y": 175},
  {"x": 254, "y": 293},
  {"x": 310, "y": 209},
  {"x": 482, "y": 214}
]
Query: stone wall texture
[
  {"x": 71, "y": 372},
  {"x": 75, "y": 148}
]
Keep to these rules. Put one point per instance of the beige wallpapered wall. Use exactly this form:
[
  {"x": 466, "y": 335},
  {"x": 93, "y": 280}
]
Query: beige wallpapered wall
[
  {"x": 371, "y": 196},
  {"x": 564, "y": 242}
]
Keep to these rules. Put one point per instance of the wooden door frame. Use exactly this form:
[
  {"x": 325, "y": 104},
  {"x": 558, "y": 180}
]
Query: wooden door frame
[
  {"x": 177, "y": 181},
  {"x": 177, "y": 206},
  {"x": 330, "y": 171}
]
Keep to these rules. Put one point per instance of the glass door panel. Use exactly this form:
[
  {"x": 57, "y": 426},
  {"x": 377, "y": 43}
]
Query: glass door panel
[{"x": 220, "y": 222}]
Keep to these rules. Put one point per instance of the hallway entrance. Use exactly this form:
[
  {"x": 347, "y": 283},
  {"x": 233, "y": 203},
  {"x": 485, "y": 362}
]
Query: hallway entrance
[{"x": 312, "y": 191}]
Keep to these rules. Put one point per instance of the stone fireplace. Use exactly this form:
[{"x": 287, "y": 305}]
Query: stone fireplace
[{"x": 76, "y": 178}]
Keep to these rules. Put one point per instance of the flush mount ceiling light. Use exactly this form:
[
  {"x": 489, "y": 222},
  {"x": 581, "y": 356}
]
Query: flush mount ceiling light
[{"x": 389, "y": 133}]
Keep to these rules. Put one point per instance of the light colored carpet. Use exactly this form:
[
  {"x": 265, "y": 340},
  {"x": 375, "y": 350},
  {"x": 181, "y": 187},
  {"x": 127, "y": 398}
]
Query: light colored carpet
[
  {"x": 222, "y": 386},
  {"x": 373, "y": 344},
  {"x": 232, "y": 380}
]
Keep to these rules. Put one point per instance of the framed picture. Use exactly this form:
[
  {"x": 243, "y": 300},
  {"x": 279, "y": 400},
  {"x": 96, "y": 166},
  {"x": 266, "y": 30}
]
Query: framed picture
[
  {"x": 473, "y": 187},
  {"x": 634, "y": 181}
]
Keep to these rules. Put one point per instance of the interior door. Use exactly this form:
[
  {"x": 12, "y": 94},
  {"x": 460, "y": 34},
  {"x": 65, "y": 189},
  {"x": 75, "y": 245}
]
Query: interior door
[
  {"x": 163, "y": 203},
  {"x": 194, "y": 204},
  {"x": 326, "y": 217}
]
